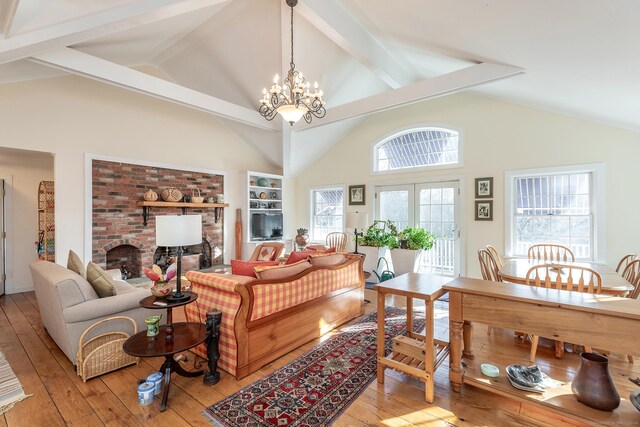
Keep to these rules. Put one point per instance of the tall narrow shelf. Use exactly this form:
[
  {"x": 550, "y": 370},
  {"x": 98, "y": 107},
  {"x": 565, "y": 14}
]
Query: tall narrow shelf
[
  {"x": 264, "y": 207},
  {"x": 46, "y": 221}
]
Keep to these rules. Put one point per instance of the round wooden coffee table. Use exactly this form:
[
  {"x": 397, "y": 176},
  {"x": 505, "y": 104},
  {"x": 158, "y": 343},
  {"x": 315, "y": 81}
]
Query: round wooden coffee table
[
  {"x": 172, "y": 338},
  {"x": 185, "y": 336}
]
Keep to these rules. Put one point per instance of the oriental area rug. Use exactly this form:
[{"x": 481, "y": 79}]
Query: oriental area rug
[{"x": 317, "y": 387}]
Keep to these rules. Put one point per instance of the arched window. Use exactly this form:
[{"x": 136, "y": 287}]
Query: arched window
[{"x": 417, "y": 148}]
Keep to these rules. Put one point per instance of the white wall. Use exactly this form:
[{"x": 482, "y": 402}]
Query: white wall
[
  {"x": 22, "y": 171},
  {"x": 498, "y": 136},
  {"x": 72, "y": 116}
]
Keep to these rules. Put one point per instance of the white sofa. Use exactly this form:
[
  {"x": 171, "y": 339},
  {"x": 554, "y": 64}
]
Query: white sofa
[{"x": 69, "y": 305}]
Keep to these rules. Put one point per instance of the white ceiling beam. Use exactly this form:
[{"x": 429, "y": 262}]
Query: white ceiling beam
[
  {"x": 335, "y": 22},
  {"x": 96, "y": 25},
  {"x": 85, "y": 65},
  {"x": 446, "y": 84},
  {"x": 8, "y": 10}
]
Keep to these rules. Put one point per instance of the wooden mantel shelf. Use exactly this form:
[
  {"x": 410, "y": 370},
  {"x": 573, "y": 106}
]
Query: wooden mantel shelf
[{"x": 183, "y": 205}]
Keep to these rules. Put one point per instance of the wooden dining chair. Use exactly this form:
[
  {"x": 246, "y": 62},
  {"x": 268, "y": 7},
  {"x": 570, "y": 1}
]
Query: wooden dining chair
[
  {"x": 631, "y": 273},
  {"x": 625, "y": 261},
  {"x": 489, "y": 270},
  {"x": 550, "y": 252},
  {"x": 337, "y": 239},
  {"x": 496, "y": 255},
  {"x": 567, "y": 277}
]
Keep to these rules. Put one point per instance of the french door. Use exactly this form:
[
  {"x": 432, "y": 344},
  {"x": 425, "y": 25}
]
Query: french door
[{"x": 434, "y": 206}]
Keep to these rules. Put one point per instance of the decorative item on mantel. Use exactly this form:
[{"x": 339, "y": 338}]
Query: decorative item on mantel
[
  {"x": 151, "y": 196},
  {"x": 302, "y": 239},
  {"x": 161, "y": 287},
  {"x": 171, "y": 195},
  {"x": 196, "y": 197}
]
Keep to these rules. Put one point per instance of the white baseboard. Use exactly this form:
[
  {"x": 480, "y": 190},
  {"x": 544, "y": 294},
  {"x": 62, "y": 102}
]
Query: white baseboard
[{"x": 19, "y": 290}]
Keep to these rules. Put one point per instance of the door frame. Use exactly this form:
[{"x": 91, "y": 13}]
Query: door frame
[
  {"x": 8, "y": 228},
  {"x": 431, "y": 180}
]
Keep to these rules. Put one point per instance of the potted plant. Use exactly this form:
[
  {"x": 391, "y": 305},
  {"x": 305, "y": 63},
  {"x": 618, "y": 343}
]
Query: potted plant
[
  {"x": 377, "y": 242},
  {"x": 413, "y": 241}
]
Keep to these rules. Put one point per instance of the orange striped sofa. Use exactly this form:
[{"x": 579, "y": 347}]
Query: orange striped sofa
[{"x": 265, "y": 319}]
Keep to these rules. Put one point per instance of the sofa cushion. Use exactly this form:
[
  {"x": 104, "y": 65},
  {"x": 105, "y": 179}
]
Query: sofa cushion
[
  {"x": 245, "y": 268},
  {"x": 325, "y": 259},
  {"x": 74, "y": 263},
  {"x": 330, "y": 250},
  {"x": 100, "y": 280},
  {"x": 281, "y": 271},
  {"x": 266, "y": 253},
  {"x": 298, "y": 256}
]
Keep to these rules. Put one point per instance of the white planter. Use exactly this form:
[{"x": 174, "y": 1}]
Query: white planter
[
  {"x": 373, "y": 254},
  {"x": 406, "y": 260}
]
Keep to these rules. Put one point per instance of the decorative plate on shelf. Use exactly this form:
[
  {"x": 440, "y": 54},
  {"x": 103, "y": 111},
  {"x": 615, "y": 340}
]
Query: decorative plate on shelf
[{"x": 263, "y": 195}]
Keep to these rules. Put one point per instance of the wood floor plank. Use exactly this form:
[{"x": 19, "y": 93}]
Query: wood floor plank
[
  {"x": 69, "y": 401},
  {"x": 112, "y": 399},
  {"x": 123, "y": 384},
  {"x": 87, "y": 421},
  {"x": 38, "y": 409}
]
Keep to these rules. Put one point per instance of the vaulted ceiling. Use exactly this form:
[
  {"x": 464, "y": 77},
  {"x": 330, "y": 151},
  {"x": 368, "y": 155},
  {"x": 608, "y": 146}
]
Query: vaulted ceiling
[{"x": 575, "y": 57}]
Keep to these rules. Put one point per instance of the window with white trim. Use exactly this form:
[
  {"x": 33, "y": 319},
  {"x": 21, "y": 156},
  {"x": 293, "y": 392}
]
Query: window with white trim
[
  {"x": 417, "y": 148},
  {"x": 327, "y": 211},
  {"x": 554, "y": 206}
]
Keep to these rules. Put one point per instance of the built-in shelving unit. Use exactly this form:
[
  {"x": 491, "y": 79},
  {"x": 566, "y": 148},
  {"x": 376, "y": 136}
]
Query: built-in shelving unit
[
  {"x": 264, "y": 197},
  {"x": 46, "y": 246},
  {"x": 185, "y": 206}
]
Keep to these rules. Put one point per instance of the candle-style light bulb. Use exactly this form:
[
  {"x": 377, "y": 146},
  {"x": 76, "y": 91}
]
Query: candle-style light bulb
[{"x": 276, "y": 79}]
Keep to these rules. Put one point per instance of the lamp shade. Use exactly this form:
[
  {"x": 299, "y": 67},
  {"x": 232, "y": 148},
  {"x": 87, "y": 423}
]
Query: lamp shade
[
  {"x": 178, "y": 230},
  {"x": 357, "y": 220}
]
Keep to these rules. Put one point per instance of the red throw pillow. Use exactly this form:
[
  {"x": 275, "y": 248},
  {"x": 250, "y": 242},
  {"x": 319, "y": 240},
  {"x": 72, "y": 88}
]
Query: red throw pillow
[
  {"x": 245, "y": 268},
  {"x": 298, "y": 256},
  {"x": 331, "y": 249}
]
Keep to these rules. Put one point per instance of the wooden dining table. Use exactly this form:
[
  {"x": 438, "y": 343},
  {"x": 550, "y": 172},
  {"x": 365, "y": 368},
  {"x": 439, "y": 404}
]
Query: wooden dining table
[{"x": 515, "y": 270}]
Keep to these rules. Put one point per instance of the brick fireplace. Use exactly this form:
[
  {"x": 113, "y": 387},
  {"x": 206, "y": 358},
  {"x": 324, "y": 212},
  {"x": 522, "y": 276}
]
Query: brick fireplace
[{"x": 120, "y": 240}]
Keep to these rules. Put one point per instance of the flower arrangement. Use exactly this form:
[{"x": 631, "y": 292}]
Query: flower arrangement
[
  {"x": 155, "y": 273},
  {"x": 161, "y": 287}
]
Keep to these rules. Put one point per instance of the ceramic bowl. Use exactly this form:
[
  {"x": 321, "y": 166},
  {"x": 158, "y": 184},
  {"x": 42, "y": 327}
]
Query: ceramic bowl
[{"x": 161, "y": 290}]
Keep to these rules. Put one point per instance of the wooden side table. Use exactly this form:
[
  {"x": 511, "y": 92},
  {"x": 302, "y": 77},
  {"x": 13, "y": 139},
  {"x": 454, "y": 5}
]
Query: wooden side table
[
  {"x": 172, "y": 338},
  {"x": 414, "y": 354}
]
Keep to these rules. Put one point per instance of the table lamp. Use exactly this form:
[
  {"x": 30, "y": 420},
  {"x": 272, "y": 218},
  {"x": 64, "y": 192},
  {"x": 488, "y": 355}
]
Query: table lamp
[
  {"x": 178, "y": 231},
  {"x": 357, "y": 220}
]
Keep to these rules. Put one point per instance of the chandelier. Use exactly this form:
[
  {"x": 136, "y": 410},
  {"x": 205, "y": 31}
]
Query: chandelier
[{"x": 294, "y": 98}]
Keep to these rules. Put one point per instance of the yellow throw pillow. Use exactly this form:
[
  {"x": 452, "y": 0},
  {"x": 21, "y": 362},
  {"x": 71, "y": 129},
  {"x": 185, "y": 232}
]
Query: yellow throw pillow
[
  {"x": 278, "y": 272},
  {"x": 324, "y": 260},
  {"x": 100, "y": 280},
  {"x": 75, "y": 264}
]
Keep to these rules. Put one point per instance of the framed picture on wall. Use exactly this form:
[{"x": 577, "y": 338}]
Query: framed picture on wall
[
  {"x": 484, "y": 188},
  {"x": 484, "y": 210},
  {"x": 356, "y": 195}
]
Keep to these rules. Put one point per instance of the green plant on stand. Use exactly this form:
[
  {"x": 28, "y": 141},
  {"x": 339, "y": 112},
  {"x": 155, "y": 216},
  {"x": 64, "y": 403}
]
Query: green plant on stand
[
  {"x": 380, "y": 236},
  {"x": 416, "y": 238}
]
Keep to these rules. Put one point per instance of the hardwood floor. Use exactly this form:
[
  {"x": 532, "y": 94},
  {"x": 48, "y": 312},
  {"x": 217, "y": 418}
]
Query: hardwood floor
[{"x": 61, "y": 398}]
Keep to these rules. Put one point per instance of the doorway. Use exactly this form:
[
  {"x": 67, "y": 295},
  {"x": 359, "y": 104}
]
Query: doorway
[
  {"x": 434, "y": 206},
  {"x": 3, "y": 238}
]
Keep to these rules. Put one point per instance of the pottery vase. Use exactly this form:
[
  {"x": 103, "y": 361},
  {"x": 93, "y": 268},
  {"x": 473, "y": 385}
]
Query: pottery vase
[
  {"x": 302, "y": 240},
  {"x": 593, "y": 384},
  {"x": 150, "y": 196},
  {"x": 161, "y": 289}
]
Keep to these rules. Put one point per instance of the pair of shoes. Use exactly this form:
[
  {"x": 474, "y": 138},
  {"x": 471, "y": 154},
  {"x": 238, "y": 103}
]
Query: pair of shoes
[{"x": 530, "y": 378}]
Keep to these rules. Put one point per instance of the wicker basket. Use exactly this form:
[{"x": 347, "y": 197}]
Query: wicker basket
[
  {"x": 196, "y": 197},
  {"x": 103, "y": 353}
]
